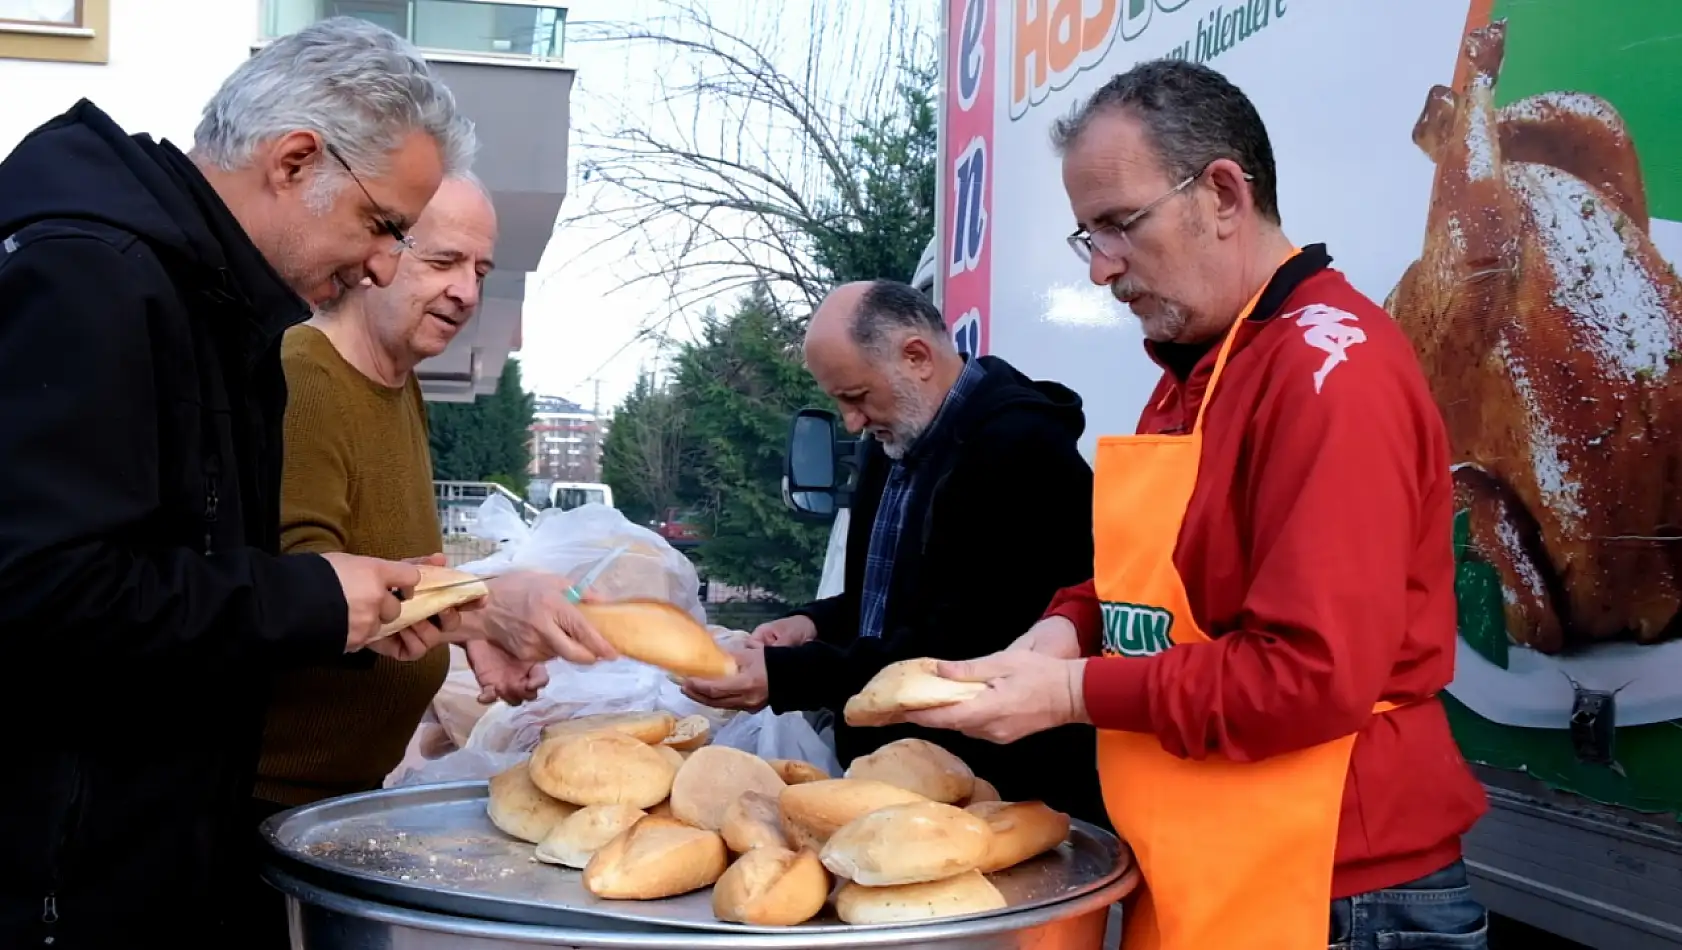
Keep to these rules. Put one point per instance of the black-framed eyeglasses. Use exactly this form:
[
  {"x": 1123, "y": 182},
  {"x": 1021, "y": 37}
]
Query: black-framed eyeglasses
[
  {"x": 1111, "y": 240},
  {"x": 383, "y": 218}
]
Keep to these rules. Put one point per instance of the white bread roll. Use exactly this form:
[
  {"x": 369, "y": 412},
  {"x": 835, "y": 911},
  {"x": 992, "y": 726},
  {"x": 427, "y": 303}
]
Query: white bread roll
[
  {"x": 919, "y": 766},
  {"x": 982, "y": 792},
  {"x": 753, "y": 821},
  {"x": 602, "y": 768},
  {"x": 669, "y": 754},
  {"x": 907, "y": 844},
  {"x": 518, "y": 808},
  {"x": 815, "y": 810},
  {"x": 796, "y": 772},
  {"x": 904, "y": 687},
  {"x": 660, "y": 634},
  {"x": 647, "y": 727},
  {"x": 690, "y": 733},
  {"x": 655, "y": 858},
  {"x": 428, "y": 602},
  {"x": 772, "y": 887},
  {"x": 1021, "y": 830},
  {"x": 581, "y": 834},
  {"x": 967, "y": 893},
  {"x": 714, "y": 776}
]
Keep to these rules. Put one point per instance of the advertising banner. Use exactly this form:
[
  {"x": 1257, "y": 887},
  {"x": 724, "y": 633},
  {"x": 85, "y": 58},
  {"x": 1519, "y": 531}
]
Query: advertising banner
[{"x": 1507, "y": 183}]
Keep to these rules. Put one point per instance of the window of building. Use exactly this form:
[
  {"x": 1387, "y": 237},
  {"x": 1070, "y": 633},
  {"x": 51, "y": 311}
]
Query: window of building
[{"x": 64, "y": 31}]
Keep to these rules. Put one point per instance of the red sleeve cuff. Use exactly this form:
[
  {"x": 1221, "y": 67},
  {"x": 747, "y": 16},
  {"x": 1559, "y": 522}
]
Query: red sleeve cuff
[
  {"x": 1116, "y": 692},
  {"x": 1079, "y": 605}
]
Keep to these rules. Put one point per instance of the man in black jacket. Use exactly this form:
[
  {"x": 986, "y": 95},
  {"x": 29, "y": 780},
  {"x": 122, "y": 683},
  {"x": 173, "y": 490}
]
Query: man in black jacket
[
  {"x": 143, "y": 294},
  {"x": 974, "y": 506}
]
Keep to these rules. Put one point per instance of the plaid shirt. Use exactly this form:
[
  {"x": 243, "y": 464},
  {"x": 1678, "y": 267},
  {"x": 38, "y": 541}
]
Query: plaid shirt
[{"x": 890, "y": 514}]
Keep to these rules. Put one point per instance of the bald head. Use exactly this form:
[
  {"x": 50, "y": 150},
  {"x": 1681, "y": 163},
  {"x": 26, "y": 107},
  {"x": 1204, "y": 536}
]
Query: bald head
[{"x": 881, "y": 349}]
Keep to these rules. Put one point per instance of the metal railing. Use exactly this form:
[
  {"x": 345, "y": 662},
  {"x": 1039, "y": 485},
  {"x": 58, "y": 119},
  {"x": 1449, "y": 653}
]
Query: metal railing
[{"x": 458, "y": 504}]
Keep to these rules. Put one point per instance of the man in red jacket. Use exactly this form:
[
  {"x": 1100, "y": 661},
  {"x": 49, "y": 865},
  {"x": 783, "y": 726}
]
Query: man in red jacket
[{"x": 1272, "y": 609}]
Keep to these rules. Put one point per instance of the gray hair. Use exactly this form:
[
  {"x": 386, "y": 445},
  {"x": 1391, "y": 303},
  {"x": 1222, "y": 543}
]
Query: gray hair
[
  {"x": 1192, "y": 115},
  {"x": 362, "y": 88},
  {"x": 887, "y": 309}
]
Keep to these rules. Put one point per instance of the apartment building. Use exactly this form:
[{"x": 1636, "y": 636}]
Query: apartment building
[
  {"x": 152, "y": 64},
  {"x": 566, "y": 442}
]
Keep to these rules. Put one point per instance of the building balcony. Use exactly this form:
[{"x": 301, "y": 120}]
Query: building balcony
[{"x": 505, "y": 62}]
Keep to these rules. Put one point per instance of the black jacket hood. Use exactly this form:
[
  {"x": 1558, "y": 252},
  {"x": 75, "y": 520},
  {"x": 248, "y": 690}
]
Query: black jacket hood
[
  {"x": 1005, "y": 389},
  {"x": 82, "y": 166}
]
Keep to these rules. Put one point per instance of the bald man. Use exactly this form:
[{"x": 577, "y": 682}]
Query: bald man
[{"x": 973, "y": 506}]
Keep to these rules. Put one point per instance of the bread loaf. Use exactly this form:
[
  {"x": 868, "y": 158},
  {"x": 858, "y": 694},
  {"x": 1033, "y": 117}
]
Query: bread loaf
[
  {"x": 907, "y": 844},
  {"x": 919, "y": 766},
  {"x": 904, "y": 687},
  {"x": 982, "y": 792},
  {"x": 796, "y": 772},
  {"x": 603, "y": 768},
  {"x": 967, "y": 893},
  {"x": 690, "y": 733},
  {"x": 660, "y": 634},
  {"x": 772, "y": 887},
  {"x": 813, "y": 811},
  {"x": 753, "y": 821},
  {"x": 655, "y": 858},
  {"x": 669, "y": 754},
  {"x": 714, "y": 776},
  {"x": 440, "y": 588},
  {"x": 581, "y": 834},
  {"x": 648, "y": 727},
  {"x": 517, "y": 807},
  {"x": 1021, "y": 831}
]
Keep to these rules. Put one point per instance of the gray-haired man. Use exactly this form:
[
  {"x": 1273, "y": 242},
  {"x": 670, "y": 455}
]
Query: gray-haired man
[{"x": 143, "y": 294}]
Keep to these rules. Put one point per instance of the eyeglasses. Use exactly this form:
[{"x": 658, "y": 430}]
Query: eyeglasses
[
  {"x": 1111, "y": 240},
  {"x": 382, "y": 217}
]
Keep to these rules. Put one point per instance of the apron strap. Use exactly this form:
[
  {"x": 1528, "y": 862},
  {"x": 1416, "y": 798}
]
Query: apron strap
[{"x": 1226, "y": 344}]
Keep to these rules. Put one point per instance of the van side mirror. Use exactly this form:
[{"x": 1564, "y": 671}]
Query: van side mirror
[{"x": 815, "y": 480}]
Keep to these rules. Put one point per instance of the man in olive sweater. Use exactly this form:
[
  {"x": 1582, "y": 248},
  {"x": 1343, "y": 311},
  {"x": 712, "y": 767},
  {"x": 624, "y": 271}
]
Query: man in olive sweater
[{"x": 358, "y": 478}]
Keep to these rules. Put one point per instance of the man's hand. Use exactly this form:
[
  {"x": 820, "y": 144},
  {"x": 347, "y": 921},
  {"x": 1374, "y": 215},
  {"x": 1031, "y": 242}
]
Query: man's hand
[
  {"x": 1027, "y": 692},
  {"x": 502, "y": 676},
  {"x": 787, "y": 632},
  {"x": 368, "y": 584},
  {"x": 530, "y": 617},
  {"x": 748, "y": 690},
  {"x": 1053, "y": 636}
]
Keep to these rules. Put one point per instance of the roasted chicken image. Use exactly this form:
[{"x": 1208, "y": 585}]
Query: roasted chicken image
[{"x": 1551, "y": 331}]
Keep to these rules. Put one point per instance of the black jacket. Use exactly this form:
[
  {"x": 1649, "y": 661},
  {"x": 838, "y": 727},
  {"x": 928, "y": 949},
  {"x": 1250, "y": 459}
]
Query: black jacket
[
  {"x": 999, "y": 520},
  {"x": 141, "y": 595}
]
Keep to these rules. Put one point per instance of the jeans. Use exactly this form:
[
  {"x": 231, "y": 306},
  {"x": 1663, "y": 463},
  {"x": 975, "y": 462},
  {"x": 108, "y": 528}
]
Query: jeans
[{"x": 1436, "y": 912}]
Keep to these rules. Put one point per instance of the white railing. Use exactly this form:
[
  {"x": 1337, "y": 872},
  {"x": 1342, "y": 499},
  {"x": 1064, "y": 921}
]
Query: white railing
[{"x": 458, "y": 504}]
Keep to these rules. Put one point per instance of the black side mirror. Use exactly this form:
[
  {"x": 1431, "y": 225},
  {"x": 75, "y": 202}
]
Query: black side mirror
[{"x": 815, "y": 481}]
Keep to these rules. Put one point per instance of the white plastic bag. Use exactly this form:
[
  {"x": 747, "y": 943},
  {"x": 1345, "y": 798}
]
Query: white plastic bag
[
  {"x": 773, "y": 736},
  {"x": 573, "y": 542}
]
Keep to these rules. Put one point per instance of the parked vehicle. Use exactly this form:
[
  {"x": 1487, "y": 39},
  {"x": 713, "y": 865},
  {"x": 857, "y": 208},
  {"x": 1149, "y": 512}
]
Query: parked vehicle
[
  {"x": 1502, "y": 168},
  {"x": 569, "y": 495}
]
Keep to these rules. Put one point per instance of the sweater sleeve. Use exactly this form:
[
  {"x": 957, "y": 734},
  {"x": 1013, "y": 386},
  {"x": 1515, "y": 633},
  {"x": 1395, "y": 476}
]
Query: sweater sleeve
[
  {"x": 315, "y": 486},
  {"x": 1079, "y": 606},
  {"x": 1335, "y": 495}
]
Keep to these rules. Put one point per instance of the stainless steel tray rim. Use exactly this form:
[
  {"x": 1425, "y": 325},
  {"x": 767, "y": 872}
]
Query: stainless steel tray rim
[
  {"x": 382, "y": 890},
  {"x": 786, "y": 938}
]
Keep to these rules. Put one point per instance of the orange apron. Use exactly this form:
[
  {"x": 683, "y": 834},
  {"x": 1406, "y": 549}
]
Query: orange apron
[{"x": 1232, "y": 854}]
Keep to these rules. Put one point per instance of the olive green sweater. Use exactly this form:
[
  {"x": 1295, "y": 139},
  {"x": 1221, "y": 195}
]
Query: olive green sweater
[{"x": 358, "y": 478}]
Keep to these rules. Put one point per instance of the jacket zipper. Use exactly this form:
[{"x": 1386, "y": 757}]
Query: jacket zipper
[
  {"x": 72, "y": 817},
  {"x": 212, "y": 469}
]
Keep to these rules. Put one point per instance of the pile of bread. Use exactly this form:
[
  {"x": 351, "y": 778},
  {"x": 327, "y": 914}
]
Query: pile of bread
[{"x": 647, "y": 810}]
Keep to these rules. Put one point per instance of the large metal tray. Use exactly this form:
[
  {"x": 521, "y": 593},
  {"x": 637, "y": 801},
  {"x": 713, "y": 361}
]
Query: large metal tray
[{"x": 432, "y": 848}]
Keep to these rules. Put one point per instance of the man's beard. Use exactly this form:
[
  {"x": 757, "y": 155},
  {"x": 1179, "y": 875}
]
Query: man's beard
[
  {"x": 1164, "y": 326},
  {"x": 912, "y": 413}
]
